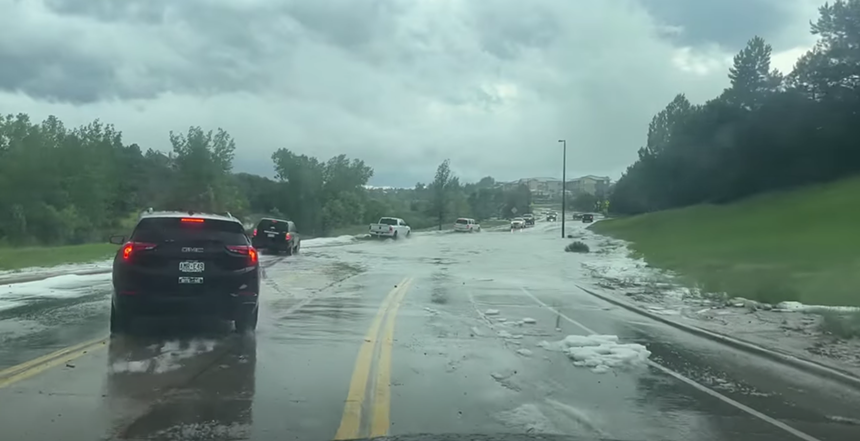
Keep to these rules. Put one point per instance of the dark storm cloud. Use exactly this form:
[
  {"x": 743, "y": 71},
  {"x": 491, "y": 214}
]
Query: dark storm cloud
[
  {"x": 401, "y": 84},
  {"x": 348, "y": 24},
  {"x": 506, "y": 35},
  {"x": 216, "y": 49},
  {"x": 144, "y": 11},
  {"x": 730, "y": 23},
  {"x": 54, "y": 75}
]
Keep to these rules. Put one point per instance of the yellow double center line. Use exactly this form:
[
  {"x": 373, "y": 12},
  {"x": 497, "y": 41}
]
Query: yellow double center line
[
  {"x": 26, "y": 370},
  {"x": 368, "y": 414}
]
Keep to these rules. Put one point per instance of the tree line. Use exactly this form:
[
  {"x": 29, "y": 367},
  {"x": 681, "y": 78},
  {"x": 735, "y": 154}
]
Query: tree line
[
  {"x": 767, "y": 131},
  {"x": 61, "y": 185}
]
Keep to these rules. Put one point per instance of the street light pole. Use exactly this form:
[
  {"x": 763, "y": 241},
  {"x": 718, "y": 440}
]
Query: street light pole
[{"x": 563, "y": 183}]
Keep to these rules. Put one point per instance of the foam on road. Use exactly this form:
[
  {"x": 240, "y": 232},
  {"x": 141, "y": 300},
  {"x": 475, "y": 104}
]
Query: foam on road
[{"x": 57, "y": 287}]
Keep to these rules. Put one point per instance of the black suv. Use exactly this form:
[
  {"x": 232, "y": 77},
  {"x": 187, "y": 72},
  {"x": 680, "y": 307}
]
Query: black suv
[
  {"x": 587, "y": 218},
  {"x": 276, "y": 235},
  {"x": 530, "y": 219},
  {"x": 185, "y": 264}
]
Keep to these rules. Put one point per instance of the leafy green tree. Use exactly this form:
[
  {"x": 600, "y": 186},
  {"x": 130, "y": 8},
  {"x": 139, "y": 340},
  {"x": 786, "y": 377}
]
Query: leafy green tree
[
  {"x": 441, "y": 187},
  {"x": 585, "y": 202},
  {"x": 203, "y": 162},
  {"x": 751, "y": 76},
  {"x": 764, "y": 133}
]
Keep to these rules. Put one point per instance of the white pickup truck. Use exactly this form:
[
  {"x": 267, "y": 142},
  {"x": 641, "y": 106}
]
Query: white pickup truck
[{"x": 390, "y": 227}]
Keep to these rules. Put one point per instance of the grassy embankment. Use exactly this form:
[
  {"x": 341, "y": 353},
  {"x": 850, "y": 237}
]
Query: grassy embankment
[
  {"x": 17, "y": 258},
  {"x": 799, "y": 245},
  {"x": 796, "y": 245}
]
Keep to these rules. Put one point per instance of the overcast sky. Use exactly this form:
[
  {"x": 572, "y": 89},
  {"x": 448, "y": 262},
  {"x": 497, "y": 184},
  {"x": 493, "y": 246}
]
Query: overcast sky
[{"x": 402, "y": 84}]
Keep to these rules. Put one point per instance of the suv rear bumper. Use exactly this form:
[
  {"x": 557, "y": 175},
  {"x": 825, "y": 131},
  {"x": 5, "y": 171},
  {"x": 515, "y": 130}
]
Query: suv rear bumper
[{"x": 227, "y": 306}]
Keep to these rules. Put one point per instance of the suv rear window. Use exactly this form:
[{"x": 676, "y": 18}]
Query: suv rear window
[
  {"x": 169, "y": 229},
  {"x": 462, "y": 221},
  {"x": 388, "y": 221},
  {"x": 279, "y": 226}
]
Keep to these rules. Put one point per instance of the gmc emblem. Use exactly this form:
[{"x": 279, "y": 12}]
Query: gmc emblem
[{"x": 192, "y": 250}]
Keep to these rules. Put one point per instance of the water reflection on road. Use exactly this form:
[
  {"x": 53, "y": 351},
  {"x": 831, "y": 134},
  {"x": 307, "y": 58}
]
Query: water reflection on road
[{"x": 192, "y": 385}]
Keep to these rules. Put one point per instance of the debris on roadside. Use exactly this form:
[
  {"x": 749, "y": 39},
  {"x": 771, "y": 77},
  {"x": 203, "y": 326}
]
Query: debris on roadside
[
  {"x": 601, "y": 353},
  {"x": 491, "y": 312}
]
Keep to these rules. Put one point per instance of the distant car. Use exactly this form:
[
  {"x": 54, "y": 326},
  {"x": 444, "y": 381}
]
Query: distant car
[
  {"x": 529, "y": 219},
  {"x": 185, "y": 264},
  {"x": 392, "y": 227},
  {"x": 276, "y": 235},
  {"x": 587, "y": 218},
  {"x": 518, "y": 223},
  {"x": 552, "y": 217},
  {"x": 467, "y": 225}
]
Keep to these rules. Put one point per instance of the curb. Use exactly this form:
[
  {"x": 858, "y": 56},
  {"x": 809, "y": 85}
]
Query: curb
[{"x": 809, "y": 366}]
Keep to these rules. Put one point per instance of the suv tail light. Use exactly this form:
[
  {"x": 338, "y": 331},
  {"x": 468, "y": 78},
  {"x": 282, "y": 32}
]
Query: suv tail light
[
  {"x": 247, "y": 250},
  {"x": 255, "y": 232},
  {"x": 131, "y": 247},
  {"x": 288, "y": 236},
  {"x": 390, "y": 228}
]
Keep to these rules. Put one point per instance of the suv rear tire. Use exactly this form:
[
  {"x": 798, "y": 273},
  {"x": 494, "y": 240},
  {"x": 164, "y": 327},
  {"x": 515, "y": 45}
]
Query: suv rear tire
[
  {"x": 118, "y": 322},
  {"x": 247, "y": 321},
  {"x": 289, "y": 250}
]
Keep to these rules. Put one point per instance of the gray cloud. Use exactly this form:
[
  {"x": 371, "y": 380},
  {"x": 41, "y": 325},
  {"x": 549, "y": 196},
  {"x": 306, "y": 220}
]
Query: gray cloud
[{"x": 402, "y": 84}]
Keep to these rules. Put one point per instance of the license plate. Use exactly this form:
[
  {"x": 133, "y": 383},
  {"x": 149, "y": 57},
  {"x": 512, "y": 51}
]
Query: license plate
[
  {"x": 190, "y": 280},
  {"x": 192, "y": 266}
]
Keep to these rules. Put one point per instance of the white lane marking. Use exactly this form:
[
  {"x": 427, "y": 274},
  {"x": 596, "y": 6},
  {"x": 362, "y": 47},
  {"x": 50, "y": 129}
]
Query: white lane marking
[{"x": 693, "y": 383}]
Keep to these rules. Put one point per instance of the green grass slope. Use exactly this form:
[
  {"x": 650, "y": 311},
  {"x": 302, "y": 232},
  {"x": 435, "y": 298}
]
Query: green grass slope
[
  {"x": 17, "y": 258},
  {"x": 796, "y": 245}
]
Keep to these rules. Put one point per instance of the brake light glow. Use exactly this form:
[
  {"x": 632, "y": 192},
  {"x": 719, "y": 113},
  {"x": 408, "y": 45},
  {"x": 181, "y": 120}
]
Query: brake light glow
[
  {"x": 129, "y": 248},
  {"x": 192, "y": 220},
  {"x": 255, "y": 231},
  {"x": 251, "y": 252},
  {"x": 288, "y": 236}
]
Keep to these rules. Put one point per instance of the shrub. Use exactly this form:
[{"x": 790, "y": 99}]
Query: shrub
[
  {"x": 845, "y": 325},
  {"x": 577, "y": 247}
]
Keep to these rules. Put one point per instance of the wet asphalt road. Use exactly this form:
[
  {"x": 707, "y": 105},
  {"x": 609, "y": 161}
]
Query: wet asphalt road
[{"x": 384, "y": 337}]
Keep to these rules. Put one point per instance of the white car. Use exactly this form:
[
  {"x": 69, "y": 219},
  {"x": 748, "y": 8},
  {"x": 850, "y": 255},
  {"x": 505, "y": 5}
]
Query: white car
[
  {"x": 467, "y": 225},
  {"x": 518, "y": 223},
  {"x": 393, "y": 227}
]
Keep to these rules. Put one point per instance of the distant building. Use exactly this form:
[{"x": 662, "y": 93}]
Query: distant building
[
  {"x": 594, "y": 185},
  {"x": 542, "y": 188}
]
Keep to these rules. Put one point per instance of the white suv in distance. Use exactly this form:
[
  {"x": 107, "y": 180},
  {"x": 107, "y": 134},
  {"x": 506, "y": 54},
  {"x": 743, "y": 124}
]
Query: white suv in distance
[{"x": 467, "y": 225}]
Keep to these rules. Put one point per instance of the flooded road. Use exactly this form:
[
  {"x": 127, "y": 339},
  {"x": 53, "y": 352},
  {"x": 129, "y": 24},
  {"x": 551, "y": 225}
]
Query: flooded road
[{"x": 439, "y": 334}]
